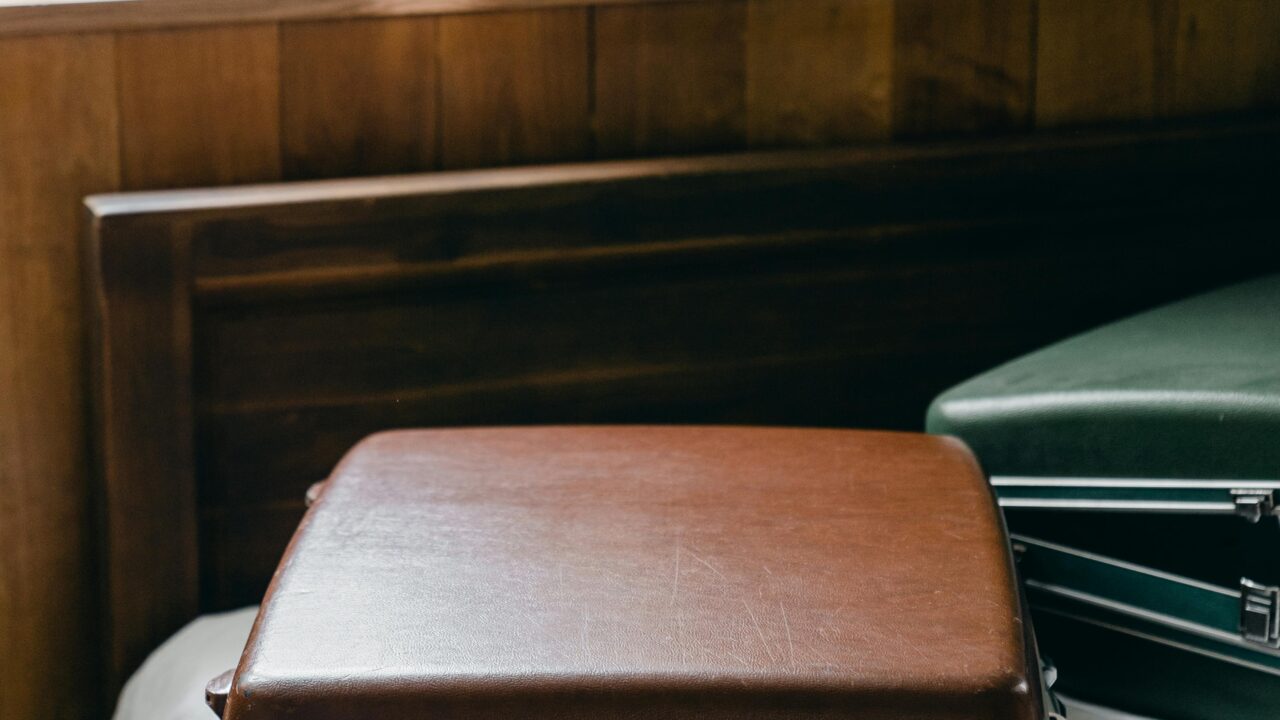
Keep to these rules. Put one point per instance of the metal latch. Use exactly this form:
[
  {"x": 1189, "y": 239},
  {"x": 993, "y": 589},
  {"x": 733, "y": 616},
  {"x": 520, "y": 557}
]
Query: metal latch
[
  {"x": 1253, "y": 505},
  {"x": 1260, "y": 613}
]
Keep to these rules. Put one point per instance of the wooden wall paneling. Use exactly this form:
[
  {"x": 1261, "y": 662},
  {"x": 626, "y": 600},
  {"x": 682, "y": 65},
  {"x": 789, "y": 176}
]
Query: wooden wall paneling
[
  {"x": 515, "y": 87},
  {"x": 20, "y": 17},
  {"x": 358, "y": 97},
  {"x": 670, "y": 78},
  {"x": 58, "y": 128},
  {"x": 962, "y": 66},
  {"x": 818, "y": 71},
  {"x": 1099, "y": 60},
  {"x": 1228, "y": 56},
  {"x": 138, "y": 298},
  {"x": 200, "y": 107}
]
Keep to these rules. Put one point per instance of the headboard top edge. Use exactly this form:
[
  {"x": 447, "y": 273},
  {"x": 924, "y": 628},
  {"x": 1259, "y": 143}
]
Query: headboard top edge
[{"x": 443, "y": 183}]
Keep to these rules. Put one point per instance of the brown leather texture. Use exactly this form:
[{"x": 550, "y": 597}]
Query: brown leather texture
[
  {"x": 216, "y": 692},
  {"x": 644, "y": 572}
]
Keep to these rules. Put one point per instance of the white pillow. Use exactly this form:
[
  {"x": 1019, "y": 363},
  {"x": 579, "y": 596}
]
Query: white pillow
[{"x": 170, "y": 684}]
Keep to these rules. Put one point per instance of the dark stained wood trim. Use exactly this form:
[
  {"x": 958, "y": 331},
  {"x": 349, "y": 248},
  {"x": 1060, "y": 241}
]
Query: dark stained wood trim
[
  {"x": 123, "y": 15},
  {"x": 138, "y": 296},
  {"x": 244, "y": 201},
  {"x": 356, "y": 280},
  {"x": 314, "y": 283}
]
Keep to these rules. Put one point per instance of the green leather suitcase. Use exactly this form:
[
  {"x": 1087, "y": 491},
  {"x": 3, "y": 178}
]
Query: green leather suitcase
[{"x": 1139, "y": 468}]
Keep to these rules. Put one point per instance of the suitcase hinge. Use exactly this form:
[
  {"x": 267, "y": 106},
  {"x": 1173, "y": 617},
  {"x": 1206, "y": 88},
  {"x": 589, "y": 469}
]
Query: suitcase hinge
[
  {"x": 1253, "y": 505},
  {"x": 1260, "y": 613}
]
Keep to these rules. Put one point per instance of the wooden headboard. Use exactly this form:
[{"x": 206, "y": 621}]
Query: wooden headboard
[{"x": 243, "y": 338}]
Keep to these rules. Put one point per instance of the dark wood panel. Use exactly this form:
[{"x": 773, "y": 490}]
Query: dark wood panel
[
  {"x": 819, "y": 72},
  {"x": 565, "y": 315},
  {"x": 359, "y": 97},
  {"x": 241, "y": 545},
  {"x": 513, "y": 351},
  {"x": 468, "y": 225},
  {"x": 1099, "y": 60},
  {"x": 199, "y": 107},
  {"x": 527, "y": 99},
  {"x": 138, "y": 302},
  {"x": 58, "y": 127},
  {"x": 1228, "y": 56},
  {"x": 670, "y": 78},
  {"x": 962, "y": 66}
]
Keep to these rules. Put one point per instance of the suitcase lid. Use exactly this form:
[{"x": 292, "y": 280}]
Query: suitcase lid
[
  {"x": 1189, "y": 390},
  {"x": 644, "y": 572}
]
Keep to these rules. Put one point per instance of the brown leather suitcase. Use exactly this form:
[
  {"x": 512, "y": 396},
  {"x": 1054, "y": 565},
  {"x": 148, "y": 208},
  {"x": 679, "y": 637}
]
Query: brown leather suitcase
[{"x": 644, "y": 572}]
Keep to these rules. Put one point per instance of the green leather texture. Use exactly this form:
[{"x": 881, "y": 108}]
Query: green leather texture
[{"x": 1189, "y": 390}]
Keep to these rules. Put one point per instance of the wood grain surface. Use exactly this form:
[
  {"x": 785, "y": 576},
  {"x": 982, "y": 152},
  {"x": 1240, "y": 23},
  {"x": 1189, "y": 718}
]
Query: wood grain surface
[
  {"x": 1228, "y": 56},
  {"x": 199, "y": 107},
  {"x": 57, "y": 143},
  {"x": 35, "y": 18},
  {"x": 670, "y": 78},
  {"x": 140, "y": 360},
  {"x": 359, "y": 97},
  {"x": 962, "y": 66},
  {"x": 819, "y": 71},
  {"x": 1100, "y": 61},
  {"x": 527, "y": 101}
]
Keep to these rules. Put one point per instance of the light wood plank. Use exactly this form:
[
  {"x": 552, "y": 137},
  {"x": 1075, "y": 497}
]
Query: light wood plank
[
  {"x": 818, "y": 71},
  {"x": 1100, "y": 60},
  {"x": 358, "y": 97},
  {"x": 514, "y": 87},
  {"x": 58, "y": 130},
  {"x": 962, "y": 66},
  {"x": 1228, "y": 56},
  {"x": 670, "y": 78},
  {"x": 200, "y": 107}
]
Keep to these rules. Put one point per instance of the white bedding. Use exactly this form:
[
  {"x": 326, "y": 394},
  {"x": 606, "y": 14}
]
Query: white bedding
[{"x": 170, "y": 684}]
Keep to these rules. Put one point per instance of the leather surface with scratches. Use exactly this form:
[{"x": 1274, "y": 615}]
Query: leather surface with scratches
[{"x": 655, "y": 572}]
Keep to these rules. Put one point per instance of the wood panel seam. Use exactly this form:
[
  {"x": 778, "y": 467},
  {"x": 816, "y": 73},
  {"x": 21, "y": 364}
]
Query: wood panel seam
[{"x": 593, "y": 118}]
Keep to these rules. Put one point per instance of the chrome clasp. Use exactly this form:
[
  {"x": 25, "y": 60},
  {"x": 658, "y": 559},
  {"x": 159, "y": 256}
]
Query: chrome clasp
[
  {"x": 1260, "y": 613},
  {"x": 1253, "y": 505}
]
